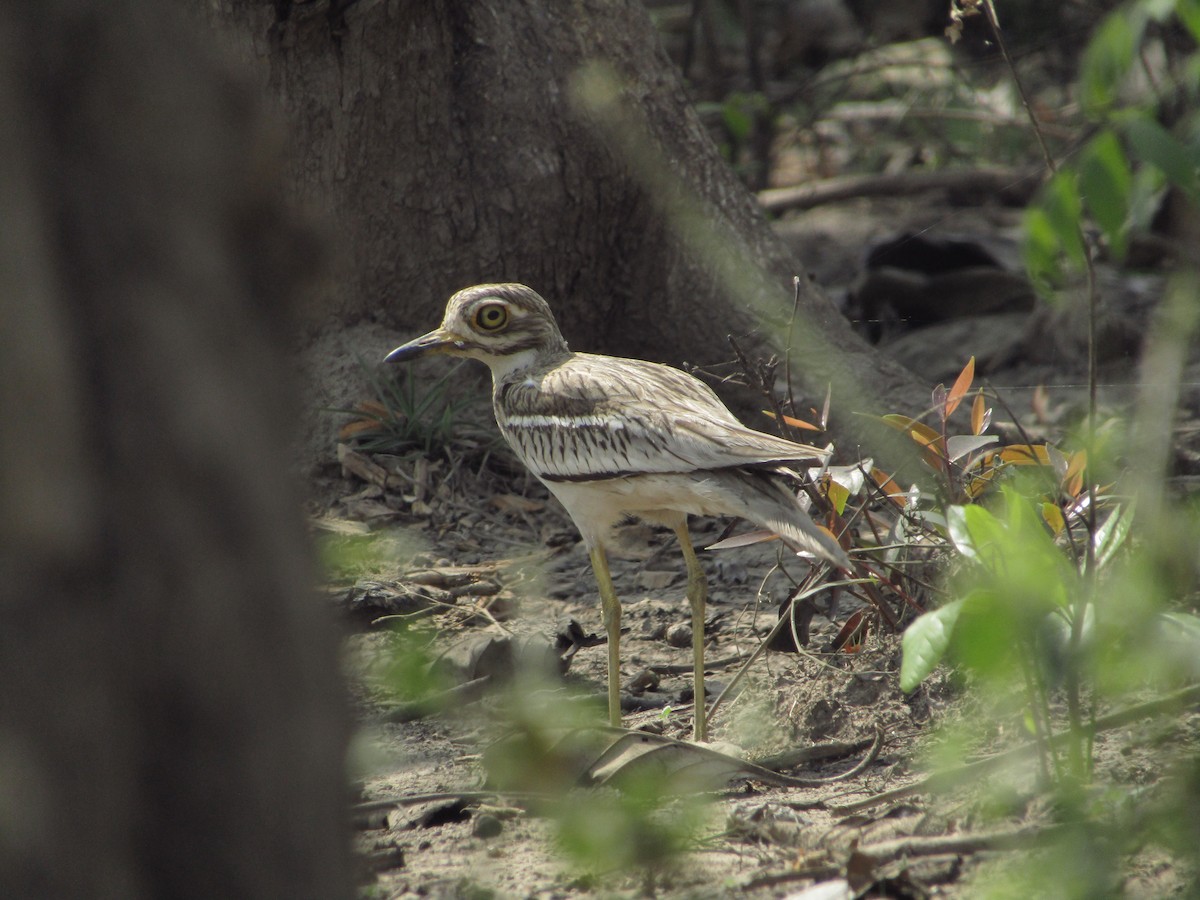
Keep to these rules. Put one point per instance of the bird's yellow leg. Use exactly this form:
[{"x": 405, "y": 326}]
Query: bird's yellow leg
[
  {"x": 697, "y": 593},
  {"x": 610, "y": 612}
]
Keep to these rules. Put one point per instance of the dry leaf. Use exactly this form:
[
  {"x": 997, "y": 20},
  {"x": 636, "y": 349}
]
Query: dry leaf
[{"x": 961, "y": 385}]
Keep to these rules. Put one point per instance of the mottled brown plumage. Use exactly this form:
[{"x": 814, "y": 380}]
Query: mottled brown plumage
[{"x": 614, "y": 437}]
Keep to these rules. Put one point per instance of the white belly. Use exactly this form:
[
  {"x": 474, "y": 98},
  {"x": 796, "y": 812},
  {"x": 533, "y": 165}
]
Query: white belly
[{"x": 596, "y": 506}]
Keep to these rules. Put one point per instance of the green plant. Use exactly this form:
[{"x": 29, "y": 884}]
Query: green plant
[
  {"x": 404, "y": 416},
  {"x": 1145, "y": 137},
  {"x": 1058, "y": 594}
]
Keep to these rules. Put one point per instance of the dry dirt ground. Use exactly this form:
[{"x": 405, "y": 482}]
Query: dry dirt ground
[{"x": 482, "y": 795}]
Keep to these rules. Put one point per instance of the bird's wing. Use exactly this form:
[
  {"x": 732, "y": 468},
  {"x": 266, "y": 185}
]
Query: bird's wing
[{"x": 595, "y": 417}]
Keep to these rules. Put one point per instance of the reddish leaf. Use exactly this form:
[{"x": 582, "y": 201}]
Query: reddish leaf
[
  {"x": 933, "y": 449},
  {"x": 793, "y": 421},
  {"x": 980, "y": 417},
  {"x": 889, "y": 487},
  {"x": 920, "y": 432},
  {"x": 851, "y": 636},
  {"x": 358, "y": 426},
  {"x": 1076, "y": 466},
  {"x": 1025, "y": 455},
  {"x": 800, "y": 423},
  {"x": 961, "y": 385}
]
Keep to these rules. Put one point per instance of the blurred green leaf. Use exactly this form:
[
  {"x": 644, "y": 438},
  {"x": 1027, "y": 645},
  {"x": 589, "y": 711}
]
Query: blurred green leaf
[
  {"x": 1189, "y": 14},
  {"x": 737, "y": 119},
  {"x": 976, "y": 533},
  {"x": 925, "y": 642},
  {"x": 1040, "y": 251},
  {"x": 1064, "y": 209},
  {"x": 1052, "y": 234},
  {"x": 1106, "y": 61},
  {"x": 1157, "y": 146},
  {"x": 985, "y": 635},
  {"x": 1105, "y": 180}
]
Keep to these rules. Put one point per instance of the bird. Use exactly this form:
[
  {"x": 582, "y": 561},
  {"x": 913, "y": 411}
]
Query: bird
[{"x": 615, "y": 438}]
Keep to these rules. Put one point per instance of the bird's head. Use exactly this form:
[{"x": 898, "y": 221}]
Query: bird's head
[{"x": 507, "y": 326}]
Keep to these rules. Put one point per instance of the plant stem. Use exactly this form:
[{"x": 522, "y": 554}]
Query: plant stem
[{"x": 1086, "y": 593}]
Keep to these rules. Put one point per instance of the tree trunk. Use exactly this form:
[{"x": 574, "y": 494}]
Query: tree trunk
[
  {"x": 171, "y": 719},
  {"x": 458, "y": 141}
]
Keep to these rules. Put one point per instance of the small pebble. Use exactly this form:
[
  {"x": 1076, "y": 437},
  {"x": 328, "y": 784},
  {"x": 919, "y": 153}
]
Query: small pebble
[
  {"x": 679, "y": 635},
  {"x": 487, "y": 826},
  {"x": 643, "y": 681}
]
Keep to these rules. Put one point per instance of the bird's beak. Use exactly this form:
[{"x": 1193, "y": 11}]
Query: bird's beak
[{"x": 437, "y": 341}]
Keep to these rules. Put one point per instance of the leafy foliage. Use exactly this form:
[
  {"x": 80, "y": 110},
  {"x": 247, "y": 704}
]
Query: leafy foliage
[
  {"x": 1146, "y": 140},
  {"x": 404, "y": 416}
]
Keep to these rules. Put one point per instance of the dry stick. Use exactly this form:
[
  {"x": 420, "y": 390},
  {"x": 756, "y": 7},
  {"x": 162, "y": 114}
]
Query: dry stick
[
  {"x": 467, "y": 692},
  {"x": 757, "y": 772},
  {"x": 789, "y": 759},
  {"x": 850, "y": 187},
  {"x": 1014, "y": 839},
  {"x": 950, "y": 778},
  {"x": 775, "y": 879},
  {"x": 370, "y": 806},
  {"x": 866, "y": 110},
  {"x": 687, "y": 669},
  {"x": 754, "y": 770}
]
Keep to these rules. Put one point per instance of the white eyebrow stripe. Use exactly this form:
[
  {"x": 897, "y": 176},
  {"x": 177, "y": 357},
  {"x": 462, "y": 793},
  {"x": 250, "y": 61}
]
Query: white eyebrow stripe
[{"x": 543, "y": 421}]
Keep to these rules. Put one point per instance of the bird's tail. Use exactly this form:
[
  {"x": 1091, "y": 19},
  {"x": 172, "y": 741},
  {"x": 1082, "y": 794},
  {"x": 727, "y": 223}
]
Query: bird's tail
[{"x": 763, "y": 498}]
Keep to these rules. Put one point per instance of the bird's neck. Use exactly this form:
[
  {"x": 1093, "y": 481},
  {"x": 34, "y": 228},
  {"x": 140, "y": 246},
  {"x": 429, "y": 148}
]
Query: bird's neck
[{"x": 515, "y": 365}]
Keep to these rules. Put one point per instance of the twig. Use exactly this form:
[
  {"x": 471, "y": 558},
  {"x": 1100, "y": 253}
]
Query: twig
[
  {"x": 759, "y": 772},
  {"x": 371, "y": 806},
  {"x": 467, "y": 692},
  {"x": 1014, "y": 839},
  {"x": 1015, "y": 185},
  {"x": 679, "y": 669}
]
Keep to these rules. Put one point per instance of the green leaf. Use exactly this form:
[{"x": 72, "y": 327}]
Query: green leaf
[
  {"x": 1188, "y": 625},
  {"x": 976, "y": 533},
  {"x": 1040, "y": 251},
  {"x": 1064, "y": 209},
  {"x": 1052, "y": 232},
  {"x": 1106, "y": 181},
  {"x": 1157, "y": 146},
  {"x": 737, "y": 119},
  {"x": 960, "y": 535},
  {"x": 1107, "y": 60},
  {"x": 925, "y": 642},
  {"x": 986, "y": 634},
  {"x": 1189, "y": 14}
]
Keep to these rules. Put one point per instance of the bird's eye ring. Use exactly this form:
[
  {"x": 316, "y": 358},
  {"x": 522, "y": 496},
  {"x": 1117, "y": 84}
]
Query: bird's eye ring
[{"x": 491, "y": 316}]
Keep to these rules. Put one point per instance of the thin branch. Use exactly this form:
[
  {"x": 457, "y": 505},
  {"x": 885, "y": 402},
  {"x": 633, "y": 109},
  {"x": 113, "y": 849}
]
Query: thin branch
[{"x": 1014, "y": 185}]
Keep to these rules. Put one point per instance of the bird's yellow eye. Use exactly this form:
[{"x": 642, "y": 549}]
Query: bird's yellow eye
[{"x": 491, "y": 316}]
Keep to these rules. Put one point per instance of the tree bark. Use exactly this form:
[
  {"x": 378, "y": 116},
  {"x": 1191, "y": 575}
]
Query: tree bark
[
  {"x": 457, "y": 141},
  {"x": 171, "y": 721}
]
